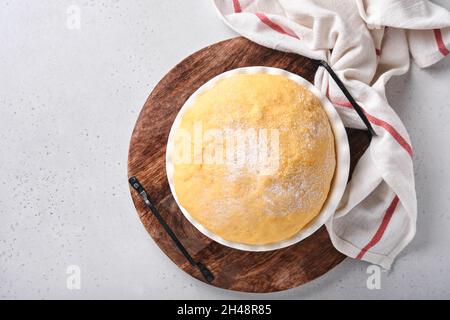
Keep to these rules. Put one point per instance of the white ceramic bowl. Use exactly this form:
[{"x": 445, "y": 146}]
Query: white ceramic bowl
[{"x": 340, "y": 175}]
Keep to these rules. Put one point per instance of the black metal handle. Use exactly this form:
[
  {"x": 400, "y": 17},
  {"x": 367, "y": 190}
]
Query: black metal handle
[
  {"x": 134, "y": 182},
  {"x": 207, "y": 274},
  {"x": 347, "y": 94}
]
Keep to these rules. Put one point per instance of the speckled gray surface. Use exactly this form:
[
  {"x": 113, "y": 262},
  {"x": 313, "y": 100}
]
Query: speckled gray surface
[{"x": 69, "y": 99}]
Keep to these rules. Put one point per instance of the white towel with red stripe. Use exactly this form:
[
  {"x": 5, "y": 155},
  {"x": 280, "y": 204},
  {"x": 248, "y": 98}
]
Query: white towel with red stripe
[{"x": 366, "y": 42}]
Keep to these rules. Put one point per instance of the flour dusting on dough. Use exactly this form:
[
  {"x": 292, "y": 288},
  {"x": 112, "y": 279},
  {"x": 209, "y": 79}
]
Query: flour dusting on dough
[{"x": 240, "y": 200}]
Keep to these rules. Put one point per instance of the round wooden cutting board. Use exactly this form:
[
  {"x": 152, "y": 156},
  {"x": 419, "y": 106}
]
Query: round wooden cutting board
[{"x": 233, "y": 269}]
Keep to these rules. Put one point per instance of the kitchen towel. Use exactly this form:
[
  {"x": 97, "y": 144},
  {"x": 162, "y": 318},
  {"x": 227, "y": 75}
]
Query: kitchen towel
[{"x": 366, "y": 42}]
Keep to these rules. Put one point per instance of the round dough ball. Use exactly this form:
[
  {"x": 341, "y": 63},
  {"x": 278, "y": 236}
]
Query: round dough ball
[{"x": 255, "y": 158}]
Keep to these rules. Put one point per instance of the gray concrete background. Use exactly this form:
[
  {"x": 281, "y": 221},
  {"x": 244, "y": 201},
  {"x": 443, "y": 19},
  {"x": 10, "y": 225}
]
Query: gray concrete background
[{"x": 68, "y": 103}]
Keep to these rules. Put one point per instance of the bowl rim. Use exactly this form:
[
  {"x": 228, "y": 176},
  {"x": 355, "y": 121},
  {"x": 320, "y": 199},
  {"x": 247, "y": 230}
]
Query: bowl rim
[{"x": 338, "y": 183}]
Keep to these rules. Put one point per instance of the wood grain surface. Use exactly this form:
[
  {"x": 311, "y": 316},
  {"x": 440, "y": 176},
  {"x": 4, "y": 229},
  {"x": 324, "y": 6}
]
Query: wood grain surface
[{"x": 233, "y": 269}]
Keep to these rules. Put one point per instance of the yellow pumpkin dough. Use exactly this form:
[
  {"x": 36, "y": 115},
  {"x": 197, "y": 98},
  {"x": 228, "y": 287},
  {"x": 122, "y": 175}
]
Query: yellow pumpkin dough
[{"x": 227, "y": 188}]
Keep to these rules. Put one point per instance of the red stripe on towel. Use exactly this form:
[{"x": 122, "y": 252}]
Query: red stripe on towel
[
  {"x": 394, "y": 133},
  {"x": 440, "y": 42},
  {"x": 381, "y": 123},
  {"x": 381, "y": 229},
  {"x": 265, "y": 19},
  {"x": 237, "y": 6}
]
